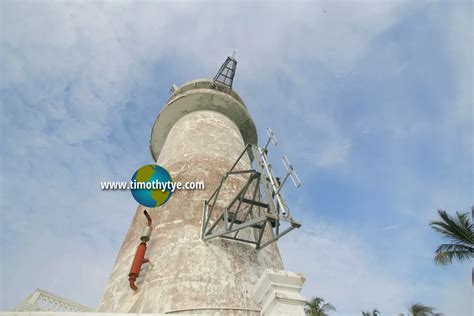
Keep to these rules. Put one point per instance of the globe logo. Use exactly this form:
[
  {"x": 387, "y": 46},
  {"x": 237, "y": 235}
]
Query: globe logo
[{"x": 150, "y": 185}]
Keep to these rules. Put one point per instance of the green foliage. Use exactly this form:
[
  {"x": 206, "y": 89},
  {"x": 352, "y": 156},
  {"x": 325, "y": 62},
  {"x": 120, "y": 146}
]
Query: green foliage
[
  {"x": 374, "y": 312},
  {"x": 418, "y": 309},
  {"x": 317, "y": 307},
  {"x": 459, "y": 232}
]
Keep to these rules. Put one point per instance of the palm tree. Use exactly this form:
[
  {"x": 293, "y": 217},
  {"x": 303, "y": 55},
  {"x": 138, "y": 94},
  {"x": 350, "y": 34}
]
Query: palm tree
[
  {"x": 375, "y": 312},
  {"x": 317, "y": 307},
  {"x": 459, "y": 231},
  {"x": 418, "y": 309}
]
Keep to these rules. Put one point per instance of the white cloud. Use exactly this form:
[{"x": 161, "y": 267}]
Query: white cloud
[
  {"x": 69, "y": 69},
  {"x": 345, "y": 270},
  {"x": 340, "y": 268},
  {"x": 93, "y": 52},
  {"x": 462, "y": 49}
]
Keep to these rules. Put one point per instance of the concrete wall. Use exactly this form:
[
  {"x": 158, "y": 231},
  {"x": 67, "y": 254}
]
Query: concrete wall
[{"x": 187, "y": 275}]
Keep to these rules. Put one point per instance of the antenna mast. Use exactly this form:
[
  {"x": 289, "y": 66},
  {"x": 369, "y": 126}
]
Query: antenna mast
[{"x": 259, "y": 205}]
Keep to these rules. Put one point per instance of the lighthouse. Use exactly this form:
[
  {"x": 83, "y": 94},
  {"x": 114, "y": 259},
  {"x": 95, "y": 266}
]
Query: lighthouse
[{"x": 203, "y": 131}]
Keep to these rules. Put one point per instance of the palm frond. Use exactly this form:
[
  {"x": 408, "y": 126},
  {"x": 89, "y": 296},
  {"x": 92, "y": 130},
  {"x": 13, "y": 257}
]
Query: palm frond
[
  {"x": 447, "y": 253},
  {"x": 418, "y": 309},
  {"x": 328, "y": 307},
  {"x": 458, "y": 229},
  {"x": 375, "y": 312},
  {"x": 317, "y": 307}
]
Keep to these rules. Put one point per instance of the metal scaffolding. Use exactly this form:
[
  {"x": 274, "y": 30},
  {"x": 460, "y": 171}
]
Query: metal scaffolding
[{"x": 258, "y": 213}]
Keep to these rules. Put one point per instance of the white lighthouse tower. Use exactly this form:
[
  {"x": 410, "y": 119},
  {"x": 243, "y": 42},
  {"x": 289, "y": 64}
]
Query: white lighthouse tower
[{"x": 210, "y": 251}]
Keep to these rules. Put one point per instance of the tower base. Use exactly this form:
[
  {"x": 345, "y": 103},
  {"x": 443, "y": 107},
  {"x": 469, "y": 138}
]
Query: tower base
[{"x": 278, "y": 292}]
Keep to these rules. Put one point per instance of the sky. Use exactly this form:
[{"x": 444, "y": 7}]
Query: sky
[{"x": 371, "y": 100}]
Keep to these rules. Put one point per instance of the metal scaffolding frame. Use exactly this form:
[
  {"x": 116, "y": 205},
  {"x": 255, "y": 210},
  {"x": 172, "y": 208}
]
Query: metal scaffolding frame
[{"x": 249, "y": 209}]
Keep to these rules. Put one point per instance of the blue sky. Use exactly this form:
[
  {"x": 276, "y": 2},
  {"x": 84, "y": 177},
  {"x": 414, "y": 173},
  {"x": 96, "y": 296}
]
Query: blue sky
[{"x": 372, "y": 102}]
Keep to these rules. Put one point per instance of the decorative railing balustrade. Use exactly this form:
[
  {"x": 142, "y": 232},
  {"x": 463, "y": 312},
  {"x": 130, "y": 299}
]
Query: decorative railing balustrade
[{"x": 40, "y": 300}]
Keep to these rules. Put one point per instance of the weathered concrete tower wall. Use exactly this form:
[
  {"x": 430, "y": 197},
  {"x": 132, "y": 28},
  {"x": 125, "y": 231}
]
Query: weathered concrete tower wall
[{"x": 197, "y": 137}]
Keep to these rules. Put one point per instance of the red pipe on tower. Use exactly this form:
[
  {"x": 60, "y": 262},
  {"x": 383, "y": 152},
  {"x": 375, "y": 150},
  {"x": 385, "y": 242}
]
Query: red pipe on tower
[{"x": 139, "y": 258}]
